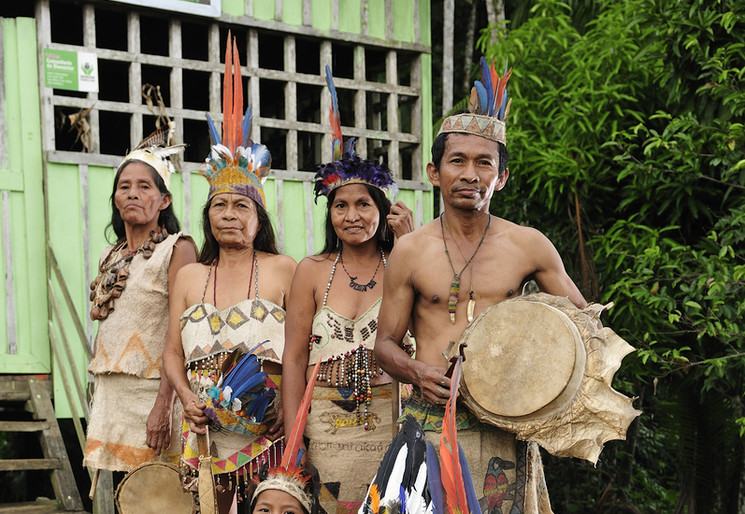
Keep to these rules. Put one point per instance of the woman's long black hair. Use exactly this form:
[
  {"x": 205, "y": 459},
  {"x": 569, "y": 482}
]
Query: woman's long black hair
[
  {"x": 265, "y": 240},
  {"x": 167, "y": 218},
  {"x": 384, "y": 233}
]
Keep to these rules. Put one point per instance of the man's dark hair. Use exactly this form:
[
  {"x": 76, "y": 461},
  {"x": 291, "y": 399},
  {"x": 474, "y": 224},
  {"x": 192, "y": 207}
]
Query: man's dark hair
[
  {"x": 438, "y": 148},
  {"x": 265, "y": 240},
  {"x": 384, "y": 233},
  {"x": 167, "y": 218}
]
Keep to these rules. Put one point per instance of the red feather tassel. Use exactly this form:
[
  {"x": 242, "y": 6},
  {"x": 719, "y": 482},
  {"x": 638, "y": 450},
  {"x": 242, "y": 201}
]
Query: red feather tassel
[
  {"x": 452, "y": 475},
  {"x": 292, "y": 442}
]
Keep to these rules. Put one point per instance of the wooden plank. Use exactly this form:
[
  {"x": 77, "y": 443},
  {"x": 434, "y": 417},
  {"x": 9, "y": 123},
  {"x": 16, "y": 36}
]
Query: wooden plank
[
  {"x": 54, "y": 266},
  {"x": 308, "y": 217},
  {"x": 103, "y": 501},
  {"x": 135, "y": 78},
  {"x": 14, "y": 388},
  {"x": 89, "y": 40},
  {"x": 63, "y": 480},
  {"x": 40, "y": 506},
  {"x": 29, "y": 464},
  {"x": 62, "y": 373},
  {"x": 23, "y": 426},
  {"x": 448, "y": 16},
  {"x": 3, "y": 125},
  {"x": 70, "y": 362},
  {"x": 10, "y": 295},
  {"x": 44, "y": 39},
  {"x": 29, "y": 222}
]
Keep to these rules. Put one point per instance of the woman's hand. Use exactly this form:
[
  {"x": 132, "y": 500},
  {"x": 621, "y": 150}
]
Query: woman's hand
[
  {"x": 159, "y": 426},
  {"x": 400, "y": 219},
  {"x": 194, "y": 413}
]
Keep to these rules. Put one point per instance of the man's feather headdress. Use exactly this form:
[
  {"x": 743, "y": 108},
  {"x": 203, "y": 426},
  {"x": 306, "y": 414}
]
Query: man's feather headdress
[
  {"x": 488, "y": 107},
  {"x": 347, "y": 167},
  {"x": 155, "y": 150},
  {"x": 235, "y": 164}
]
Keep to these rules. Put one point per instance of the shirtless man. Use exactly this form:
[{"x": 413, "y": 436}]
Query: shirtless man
[{"x": 497, "y": 258}]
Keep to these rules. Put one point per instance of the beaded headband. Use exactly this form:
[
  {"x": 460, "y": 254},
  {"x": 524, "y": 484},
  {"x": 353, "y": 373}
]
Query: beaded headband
[
  {"x": 290, "y": 477},
  {"x": 235, "y": 164},
  {"x": 488, "y": 107},
  {"x": 347, "y": 167},
  {"x": 155, "y": 151}
]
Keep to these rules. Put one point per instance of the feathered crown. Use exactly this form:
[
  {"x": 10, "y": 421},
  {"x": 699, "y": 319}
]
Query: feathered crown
[
  {"x": 488, "y": 107},
  {"x": 290, "y": 477},
  {"x": 347, "y": 167},
  {"x": 235, "y": 164},
  {"x": 155, "y": 150}
]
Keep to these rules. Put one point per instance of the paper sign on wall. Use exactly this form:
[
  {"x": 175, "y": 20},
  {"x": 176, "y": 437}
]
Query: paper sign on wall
[{"x": 74, "y": 71}]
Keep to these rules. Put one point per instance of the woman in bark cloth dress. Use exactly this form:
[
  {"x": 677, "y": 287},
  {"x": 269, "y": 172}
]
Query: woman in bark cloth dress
[
  {"x": 333, "y": 314},
  {"x": 132, "y": 419},
  {"x": 227, "y": 315}
]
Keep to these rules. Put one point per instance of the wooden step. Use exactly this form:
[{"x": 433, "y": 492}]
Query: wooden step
[
  {"x": 40, "y": 506},
  {"x": 34, "y": 392}
]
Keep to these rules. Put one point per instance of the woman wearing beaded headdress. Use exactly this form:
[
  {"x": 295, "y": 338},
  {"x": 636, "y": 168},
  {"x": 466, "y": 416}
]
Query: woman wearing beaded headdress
[
  {"x": 227, "y": 314},
  {"x": 333, "y": 314},
  {"x": 132, "y": 419}
]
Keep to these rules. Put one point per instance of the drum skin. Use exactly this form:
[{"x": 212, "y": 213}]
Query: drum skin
[
  {"x": 530, "y": 360},
  {"x": 541, "y": 368},
  {"x": 153, "y": 487}
]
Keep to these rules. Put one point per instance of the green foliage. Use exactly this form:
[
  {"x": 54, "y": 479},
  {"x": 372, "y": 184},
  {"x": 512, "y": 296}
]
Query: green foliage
[{"x": 627, "y": 148}]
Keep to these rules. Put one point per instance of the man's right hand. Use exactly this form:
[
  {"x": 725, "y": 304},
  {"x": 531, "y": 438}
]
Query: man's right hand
[{"x": 434, "y": 385}]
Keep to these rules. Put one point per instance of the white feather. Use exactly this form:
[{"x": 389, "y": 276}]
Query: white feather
[{"x": 393, "y": 487}]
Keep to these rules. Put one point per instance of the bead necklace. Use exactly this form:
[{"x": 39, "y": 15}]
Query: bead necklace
[
  {"x": 114, "y": 271},
  {"x": 455, "y": 284}
]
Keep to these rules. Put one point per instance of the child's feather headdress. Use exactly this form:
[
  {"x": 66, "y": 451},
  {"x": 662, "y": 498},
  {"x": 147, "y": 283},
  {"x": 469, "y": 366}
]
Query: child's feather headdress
[
  {"x": 235, "y": 164},
  {"x": 488, "y": 107},
  {"x": 347, "y": 167},
  {"x": 155, "y": 151}
]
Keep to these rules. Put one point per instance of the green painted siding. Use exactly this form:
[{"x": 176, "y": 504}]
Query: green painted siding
[
  {"x": 25, "y": 205},
  {"x": 350, "y": 19}
]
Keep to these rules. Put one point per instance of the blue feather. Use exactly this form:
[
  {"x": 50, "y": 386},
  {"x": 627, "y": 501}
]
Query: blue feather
[
  {"x": 402, "y": 500},
  {"x": 246, "y": 127},
  {"x": 483, "y": 97},
  {"x": 249, "y": 365},
  {"x": 253, "y": 382},
  {"x": 349, "y": 147},
  {"x": 486, "y": 82},
  {"x": 213, "y": 132},
  {"x": 434, "y": 480},
  {"x": 473, "y": 502},
  {"x": 332, "y": 90}
]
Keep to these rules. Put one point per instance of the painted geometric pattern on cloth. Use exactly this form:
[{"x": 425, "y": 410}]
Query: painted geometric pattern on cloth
[
  {"x": 234, "y": 318},
  {"x": 232, "y": 463},
  {"x": 327, "y": 498}
]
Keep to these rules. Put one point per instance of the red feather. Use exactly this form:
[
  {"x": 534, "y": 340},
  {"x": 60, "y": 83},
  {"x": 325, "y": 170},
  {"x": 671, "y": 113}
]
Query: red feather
[
  {"x": 227, "y": 97},
  {"x": 494, "y": 82},
  {"x": 292, "y": 443},
  {"x": 237, "y": 100},
  {"x": 500, "y": 90},
  {"x": 452, "y": 476}
]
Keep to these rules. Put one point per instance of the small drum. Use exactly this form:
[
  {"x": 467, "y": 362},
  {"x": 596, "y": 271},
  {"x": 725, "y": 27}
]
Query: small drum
[
  {"x": 153, "y": 487},
  {"x": 541, "y": 368}
]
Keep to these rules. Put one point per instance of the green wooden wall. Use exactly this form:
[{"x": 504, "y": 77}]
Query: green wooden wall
[{"x": 78, "y": 192}]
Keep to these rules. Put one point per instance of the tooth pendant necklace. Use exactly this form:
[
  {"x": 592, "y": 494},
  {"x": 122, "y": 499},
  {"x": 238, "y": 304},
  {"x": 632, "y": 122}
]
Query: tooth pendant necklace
[{"x": 455, "y": 284}]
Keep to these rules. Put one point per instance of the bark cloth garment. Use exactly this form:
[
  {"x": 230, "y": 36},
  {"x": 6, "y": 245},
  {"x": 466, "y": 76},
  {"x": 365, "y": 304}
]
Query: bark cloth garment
[
  {"x": 346, "y": 452},
  {"x": 127, "y": 367},
  {"x": 207, "y": 335},
  {"x": 507, "y": 473}
]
